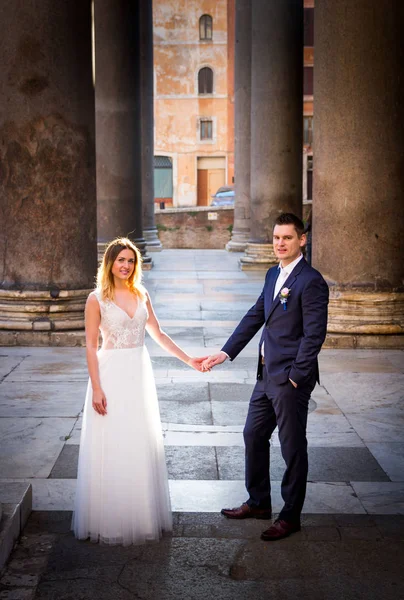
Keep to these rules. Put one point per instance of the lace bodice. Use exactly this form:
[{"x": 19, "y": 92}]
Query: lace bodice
[{"x": 118, "y": 330}]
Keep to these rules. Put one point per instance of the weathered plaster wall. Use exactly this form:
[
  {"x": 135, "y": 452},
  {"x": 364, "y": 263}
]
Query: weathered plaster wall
[{"x": 178, "y": 56}]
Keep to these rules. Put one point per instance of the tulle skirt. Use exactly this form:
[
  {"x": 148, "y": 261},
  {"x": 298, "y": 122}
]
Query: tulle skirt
[{"x": 122, "y": 492}]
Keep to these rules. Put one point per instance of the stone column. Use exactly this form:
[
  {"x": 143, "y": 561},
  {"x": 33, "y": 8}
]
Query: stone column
[
  {"x": 118, "y": 122},
  {"x": 47, "y": 163},
  {"x": 276, "y": 122},
  {"x": 147, "y": 125},
  {"x": 358, "y": 210},
  {"x": 242, "y": 127}
]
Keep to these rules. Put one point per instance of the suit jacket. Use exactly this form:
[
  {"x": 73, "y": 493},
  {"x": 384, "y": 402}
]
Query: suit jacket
[{"x": 293, "y": 337}]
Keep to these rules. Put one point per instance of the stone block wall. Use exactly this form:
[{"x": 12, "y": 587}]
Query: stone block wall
[{"x": 195, "y": 227}]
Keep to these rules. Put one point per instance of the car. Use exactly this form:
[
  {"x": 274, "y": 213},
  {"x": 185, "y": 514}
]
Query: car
[{"x": 223, "y": 197}]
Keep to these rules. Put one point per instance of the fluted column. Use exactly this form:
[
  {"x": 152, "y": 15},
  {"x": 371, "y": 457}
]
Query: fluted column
[
  {"x": 153, "y": 243},
  {"x": 242, "y": 127},
  {"x": 358, "y": 210},
  {"x": 276, "y": 122},
  {"x": 118, "y": 122},
  {"x": 47, "y": 163}
]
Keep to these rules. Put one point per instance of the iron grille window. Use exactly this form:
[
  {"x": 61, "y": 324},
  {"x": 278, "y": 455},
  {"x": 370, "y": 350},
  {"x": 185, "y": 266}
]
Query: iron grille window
[
  {"x": 205, "y": 27},
  {"x": 162, "y": 162},
  {"x": 205, "y": 81},
  {"x": 206, "y": 129},
  {"x": 308, "y": 130}
]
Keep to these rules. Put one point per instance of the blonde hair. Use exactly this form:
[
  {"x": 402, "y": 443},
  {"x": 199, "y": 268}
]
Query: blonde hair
[{"x": 105, "y": 278}]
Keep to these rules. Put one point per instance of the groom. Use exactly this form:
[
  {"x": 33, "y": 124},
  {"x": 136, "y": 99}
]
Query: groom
[{"x": 293, "y": 309}]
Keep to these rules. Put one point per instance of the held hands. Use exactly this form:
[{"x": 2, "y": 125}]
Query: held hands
[
  {"x": 196, "y": 363},
  {"x": 213, "y": 360},
  {"x": 99, "y": 402},
  {"x": 205, "y": 363}
]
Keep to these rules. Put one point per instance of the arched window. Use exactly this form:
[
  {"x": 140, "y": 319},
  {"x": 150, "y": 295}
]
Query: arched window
[
  {"x": 205, "y": 27},
  {"x": 205, "y": 81}
]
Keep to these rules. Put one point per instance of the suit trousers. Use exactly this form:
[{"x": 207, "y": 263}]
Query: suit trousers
[{"x": 284, "y": 406}]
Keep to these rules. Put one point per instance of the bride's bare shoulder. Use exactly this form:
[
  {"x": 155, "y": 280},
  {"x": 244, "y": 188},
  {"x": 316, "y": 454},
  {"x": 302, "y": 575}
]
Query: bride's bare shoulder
[{"x": 93, "y": 299}]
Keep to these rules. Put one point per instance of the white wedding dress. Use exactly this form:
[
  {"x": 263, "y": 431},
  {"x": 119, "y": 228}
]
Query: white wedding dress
[{"x": 122, "y": 492}]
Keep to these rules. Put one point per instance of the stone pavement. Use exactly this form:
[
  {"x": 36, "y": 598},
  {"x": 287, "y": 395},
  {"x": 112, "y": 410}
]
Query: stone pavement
[{"x": 352, "y": 534}]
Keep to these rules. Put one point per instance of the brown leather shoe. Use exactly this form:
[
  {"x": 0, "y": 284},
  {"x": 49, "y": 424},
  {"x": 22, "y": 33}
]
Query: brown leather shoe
[
  {"x": 246, "y": 512},
  {"x": 278, "y": 530}
]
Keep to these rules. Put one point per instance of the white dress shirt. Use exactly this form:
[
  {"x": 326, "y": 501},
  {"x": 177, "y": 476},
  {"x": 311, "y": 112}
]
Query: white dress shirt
[{"x": 284, "y": 273}]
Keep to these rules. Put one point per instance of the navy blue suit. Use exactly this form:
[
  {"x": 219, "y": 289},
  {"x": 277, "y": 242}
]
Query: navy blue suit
[{"x": 293, "y": 339}]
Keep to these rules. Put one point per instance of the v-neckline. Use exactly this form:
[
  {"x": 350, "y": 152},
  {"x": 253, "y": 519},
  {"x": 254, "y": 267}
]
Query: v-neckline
[{"x": 124, "y": 311}]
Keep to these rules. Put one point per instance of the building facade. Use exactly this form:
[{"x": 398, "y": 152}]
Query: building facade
[
  {"x": 308, "y": 100},
  {"x": 193, "y": 100}
]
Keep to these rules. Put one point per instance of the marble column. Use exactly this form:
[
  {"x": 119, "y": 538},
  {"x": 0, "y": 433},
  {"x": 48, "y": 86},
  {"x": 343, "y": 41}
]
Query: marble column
[
  {"x": 153, "y": 243},
  {"x": 118, "y": 122},
  {"x": 358, "y": 210},
  {"x": 276, "y": 122},
  {"x": 48, "y": 254},
  {"x": 242, "y": 127}
]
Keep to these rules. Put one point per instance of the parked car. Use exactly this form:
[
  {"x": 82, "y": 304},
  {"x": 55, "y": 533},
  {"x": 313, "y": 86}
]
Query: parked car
[{"x": 223, "y": 197}]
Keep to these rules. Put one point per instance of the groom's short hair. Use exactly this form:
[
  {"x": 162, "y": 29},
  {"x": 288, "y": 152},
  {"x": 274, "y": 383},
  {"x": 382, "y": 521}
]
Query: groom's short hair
[{"x": 291, "y": 219}]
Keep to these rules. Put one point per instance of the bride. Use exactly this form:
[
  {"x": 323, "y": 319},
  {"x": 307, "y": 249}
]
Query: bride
[{"x": 122, "y": 492}]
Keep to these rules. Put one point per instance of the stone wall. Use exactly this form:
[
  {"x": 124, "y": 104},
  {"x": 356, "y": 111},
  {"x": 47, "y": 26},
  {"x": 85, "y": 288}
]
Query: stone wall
[{"x": 196, "y": 227}]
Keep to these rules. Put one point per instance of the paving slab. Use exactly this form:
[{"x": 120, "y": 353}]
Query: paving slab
[
  {"x": 195, "y": 436},
  {"x": 183, "y": 462},
  {"x": 325, "y": 464},
  {"x": 30, "y": 446},
  {"x": 42, "y": 398},
  {"x": 233, "y": 314},
  {"x": 66, "y": 464},
  {"x": 234, "y": 392},
  {"x": 192, "y": 412},
  {"x": 391, "y": 458},
  {"x": 212, "y": 496},
  {"x": 199, "y": 392},
  {"x": 357, "y": 392},
  {"x": 8, "y": 363},
  {"x": 184, "y": 334},
  {"x": 191, "y": 462},
  {"x": 53, "y": 368},
  {"x": 381, "y": 498},
  {"x": 15, "y": 508}
]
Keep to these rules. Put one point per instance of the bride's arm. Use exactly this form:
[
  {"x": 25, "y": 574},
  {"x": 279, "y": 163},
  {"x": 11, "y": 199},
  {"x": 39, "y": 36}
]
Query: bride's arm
[
  {"x": 92, "y": 321},
  {"x": 164, "y": 340}
]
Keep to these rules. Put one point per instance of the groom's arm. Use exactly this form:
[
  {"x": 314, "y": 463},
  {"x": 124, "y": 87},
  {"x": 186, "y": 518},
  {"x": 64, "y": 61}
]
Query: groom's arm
[
  {"x": 314, "y": 315},
  {"x": 246, "y": 329},
  {"x": 244, "y": 332}
]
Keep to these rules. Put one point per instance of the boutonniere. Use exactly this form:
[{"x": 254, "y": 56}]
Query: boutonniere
[{"x": 284, "y": 296}]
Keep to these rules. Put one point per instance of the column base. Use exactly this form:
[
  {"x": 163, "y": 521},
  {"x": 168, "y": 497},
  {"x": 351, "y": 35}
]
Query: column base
[
  {"x": 147, "y": 263},
  {"x": 153, "y": 243},
  {"x": 42, "y": 311},
  {"x": 238, "y": 242},
  {"x": 66, "y": 339},
  {"x": 367, "y": 313},
  {"x": 363, "y": 342},
  {"x": 258, "y": 257}
]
